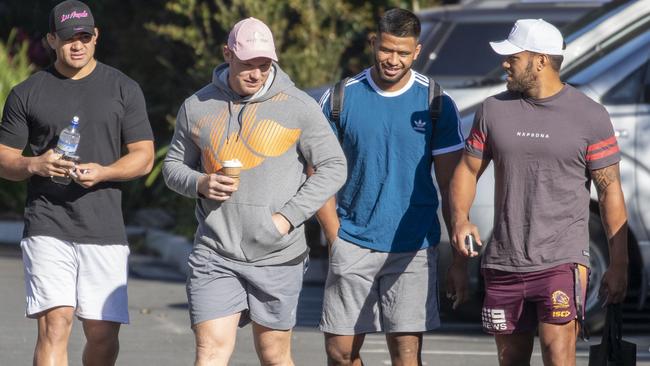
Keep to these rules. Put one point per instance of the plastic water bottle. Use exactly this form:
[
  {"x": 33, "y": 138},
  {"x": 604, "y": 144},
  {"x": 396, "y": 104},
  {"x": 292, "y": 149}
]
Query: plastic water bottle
[{"x": 67, "y": 146}]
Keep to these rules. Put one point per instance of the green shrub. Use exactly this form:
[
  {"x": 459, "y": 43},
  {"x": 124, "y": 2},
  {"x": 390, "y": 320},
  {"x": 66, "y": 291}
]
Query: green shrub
[
  {"x": 14, "y": 68},
  {"x": 14, "y": 65}
]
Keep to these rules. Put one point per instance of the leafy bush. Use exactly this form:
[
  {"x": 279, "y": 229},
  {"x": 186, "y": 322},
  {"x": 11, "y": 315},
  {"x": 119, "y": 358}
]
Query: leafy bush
[
  {"x": 310, "y": 35},
  {"x": 14, "y": 64},
  {"x": 14, "y": 68}
]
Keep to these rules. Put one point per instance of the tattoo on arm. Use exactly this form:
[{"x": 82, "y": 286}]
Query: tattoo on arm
[{"x": 605, "y": 176}]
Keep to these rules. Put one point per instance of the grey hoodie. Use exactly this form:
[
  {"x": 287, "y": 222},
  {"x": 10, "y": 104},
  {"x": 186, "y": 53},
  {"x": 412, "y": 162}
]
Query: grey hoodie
[{"x": 275, "y": 136}]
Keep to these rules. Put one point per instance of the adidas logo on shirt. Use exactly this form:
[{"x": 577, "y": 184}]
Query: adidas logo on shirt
[{"x": 419, "y": 125}]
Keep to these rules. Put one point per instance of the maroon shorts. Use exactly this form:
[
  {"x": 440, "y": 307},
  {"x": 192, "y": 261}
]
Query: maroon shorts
[{"x": 516, "y": 301}]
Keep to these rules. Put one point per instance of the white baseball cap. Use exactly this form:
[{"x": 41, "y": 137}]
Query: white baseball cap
[
  {"x": 535, "y": 35},
  {"x": 251, "y": 38}
]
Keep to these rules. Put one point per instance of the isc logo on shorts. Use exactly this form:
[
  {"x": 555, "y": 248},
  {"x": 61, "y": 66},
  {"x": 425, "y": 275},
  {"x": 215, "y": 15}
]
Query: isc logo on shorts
[
  {"x": 561, "y": 314},
  {"x": 494, "y": 319}
]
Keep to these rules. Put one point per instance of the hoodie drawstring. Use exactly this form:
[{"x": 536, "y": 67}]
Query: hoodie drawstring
[{"x": 239, "y": 120}]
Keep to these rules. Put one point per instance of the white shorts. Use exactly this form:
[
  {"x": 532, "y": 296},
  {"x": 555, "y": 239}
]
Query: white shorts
[{"x": 91, "y": 278}]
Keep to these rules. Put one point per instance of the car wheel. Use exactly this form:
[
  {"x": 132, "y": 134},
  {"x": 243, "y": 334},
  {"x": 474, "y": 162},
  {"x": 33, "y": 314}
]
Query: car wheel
[{"x": 598, "y": 261}]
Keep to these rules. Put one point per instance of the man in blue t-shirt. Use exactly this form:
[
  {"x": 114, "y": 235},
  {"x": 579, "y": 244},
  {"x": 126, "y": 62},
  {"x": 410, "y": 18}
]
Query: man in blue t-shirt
[{"x": 383, "y": 228}]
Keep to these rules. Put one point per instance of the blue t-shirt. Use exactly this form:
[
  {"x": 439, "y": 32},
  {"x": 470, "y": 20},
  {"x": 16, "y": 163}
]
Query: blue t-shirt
[{"x": 389, "y": 202}]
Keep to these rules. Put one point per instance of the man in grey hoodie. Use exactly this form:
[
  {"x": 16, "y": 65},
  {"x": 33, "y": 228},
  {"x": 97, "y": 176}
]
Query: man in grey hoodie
[{"x": 249, "y": 250}]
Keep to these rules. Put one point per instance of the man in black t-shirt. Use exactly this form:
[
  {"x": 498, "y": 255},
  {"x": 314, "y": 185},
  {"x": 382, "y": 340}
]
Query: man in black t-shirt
[{"x": 74, "y": 247}]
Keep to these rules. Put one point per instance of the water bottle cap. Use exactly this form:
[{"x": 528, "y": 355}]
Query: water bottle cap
[{"x": 75, "y": 120}]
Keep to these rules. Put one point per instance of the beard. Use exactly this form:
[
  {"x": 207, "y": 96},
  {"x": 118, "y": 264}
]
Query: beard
[{"x": 524, "y": 82}]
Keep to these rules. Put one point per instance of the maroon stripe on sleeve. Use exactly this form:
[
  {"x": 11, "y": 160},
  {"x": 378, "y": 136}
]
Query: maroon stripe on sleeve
[
  {"x": 604, "y": 143},
  {"x": 603, "y": 153},
  {"x": 476, "y": 139},
  {"x": 475, "y": 143}
]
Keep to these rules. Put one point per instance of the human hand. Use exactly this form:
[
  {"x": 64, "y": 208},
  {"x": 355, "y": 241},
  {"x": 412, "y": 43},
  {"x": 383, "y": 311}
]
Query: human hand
[
  {"x": 50, "y": 164},
  {"x": 330, "y": 240},
  {"x": 330, "y": 243},
  {"x": 281, "y": 223},
  {"x": 613, "y": 286},
  {"x": 456, "y": 283},
  {"x": 88, "y": 174},
  {"x": 217, "y": 187},
  {"x": 459, "y": 233},
  {"x": 330, "y": 237}
]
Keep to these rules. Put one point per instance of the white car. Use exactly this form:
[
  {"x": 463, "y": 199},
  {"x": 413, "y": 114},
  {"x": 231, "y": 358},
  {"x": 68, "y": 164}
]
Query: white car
[
  {"x": 453, "y": 34},
  {"x": 583, "y": 38}
]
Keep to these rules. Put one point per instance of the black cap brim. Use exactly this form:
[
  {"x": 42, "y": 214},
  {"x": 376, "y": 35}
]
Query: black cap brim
[{"x": 69, "y": 32}]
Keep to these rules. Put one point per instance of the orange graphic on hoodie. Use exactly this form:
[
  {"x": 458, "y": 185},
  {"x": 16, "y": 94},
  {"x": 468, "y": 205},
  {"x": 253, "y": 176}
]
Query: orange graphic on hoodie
[{"x": 256, "y": 141}]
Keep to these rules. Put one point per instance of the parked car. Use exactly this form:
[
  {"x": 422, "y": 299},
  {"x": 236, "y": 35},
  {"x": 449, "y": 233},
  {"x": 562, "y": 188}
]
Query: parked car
[
  {"x": 617, "y": 75},
  {"x": 455, "y": 39},
  {"x": 584, "y": 37}
]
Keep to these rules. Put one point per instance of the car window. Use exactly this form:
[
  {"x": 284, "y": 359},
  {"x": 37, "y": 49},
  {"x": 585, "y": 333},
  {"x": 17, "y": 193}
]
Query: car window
[
  {"x": 457, "y": 56},
  {"x": 646, "y": 84},
  {"x": 425, "y": 28},
  {"x": 571, "y": 31},
  {"x": 590, "y": 20},
  {"x": 616, "y": 44},
  {"x": 628, "y": 90}
]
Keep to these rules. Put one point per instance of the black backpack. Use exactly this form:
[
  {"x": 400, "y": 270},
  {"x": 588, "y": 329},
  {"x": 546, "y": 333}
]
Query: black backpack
[{"x": 338, "y": 91}]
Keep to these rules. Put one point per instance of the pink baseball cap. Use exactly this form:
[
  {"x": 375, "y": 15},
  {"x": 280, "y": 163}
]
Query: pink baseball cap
[{"x": 251, "y": 38}]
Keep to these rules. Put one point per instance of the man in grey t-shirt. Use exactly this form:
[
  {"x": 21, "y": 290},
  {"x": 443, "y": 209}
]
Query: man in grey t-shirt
[{"x": 547, "y": 141}]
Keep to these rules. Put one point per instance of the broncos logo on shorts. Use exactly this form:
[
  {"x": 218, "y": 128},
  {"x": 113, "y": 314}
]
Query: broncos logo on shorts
[{"x": 560, "y": 300}]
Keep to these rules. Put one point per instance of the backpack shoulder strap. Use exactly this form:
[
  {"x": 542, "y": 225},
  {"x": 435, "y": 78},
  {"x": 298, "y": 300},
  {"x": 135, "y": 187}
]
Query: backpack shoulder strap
[
  {"x": 336, "y": 104},
  {"x": 435, "y": 106},
  {"x": 435, "y": 100}
]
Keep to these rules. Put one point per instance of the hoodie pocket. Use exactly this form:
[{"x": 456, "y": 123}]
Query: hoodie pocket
[{"x": 259, "y": 234}]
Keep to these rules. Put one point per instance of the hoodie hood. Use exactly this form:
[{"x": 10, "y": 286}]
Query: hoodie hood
[{"x": 281, "y": 82}]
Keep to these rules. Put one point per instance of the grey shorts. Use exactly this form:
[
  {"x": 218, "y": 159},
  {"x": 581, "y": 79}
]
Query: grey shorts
[
  {"x": 267, "y": 295},
  {"x": 370, "y": 291}
]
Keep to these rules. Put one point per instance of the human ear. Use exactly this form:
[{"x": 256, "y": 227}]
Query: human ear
[
  {"x": 418, "y": 48},
  {"x": 51, "y": 40},
  {"x": 227, "y": 54}
]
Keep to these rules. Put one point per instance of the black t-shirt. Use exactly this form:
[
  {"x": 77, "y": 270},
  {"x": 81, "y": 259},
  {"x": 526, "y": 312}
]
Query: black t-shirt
[{"x": 112, "y": 113}]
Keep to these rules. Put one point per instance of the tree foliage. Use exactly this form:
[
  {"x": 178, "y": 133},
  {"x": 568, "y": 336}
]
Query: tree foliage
[
  {"x": 311, "y": 36},
  {"x": 14, "y": 65},
  {"x": 14, "y": 68}
]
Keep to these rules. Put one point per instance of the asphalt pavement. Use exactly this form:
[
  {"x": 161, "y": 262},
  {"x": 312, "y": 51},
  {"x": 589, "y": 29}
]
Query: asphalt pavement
[{"x": 159, "y": 332}]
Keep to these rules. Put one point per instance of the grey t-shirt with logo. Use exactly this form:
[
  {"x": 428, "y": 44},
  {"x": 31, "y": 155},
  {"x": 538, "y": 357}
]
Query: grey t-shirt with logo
[{"x": 543, "y": 151}]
